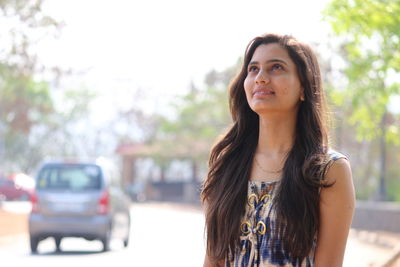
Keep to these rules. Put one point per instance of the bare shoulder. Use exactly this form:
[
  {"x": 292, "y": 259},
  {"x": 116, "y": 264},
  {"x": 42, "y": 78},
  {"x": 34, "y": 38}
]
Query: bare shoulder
[
  {"x": 339, "y": 168},
  {"x": 340, "y": 177},
  {"x": 337, "y": 204}
]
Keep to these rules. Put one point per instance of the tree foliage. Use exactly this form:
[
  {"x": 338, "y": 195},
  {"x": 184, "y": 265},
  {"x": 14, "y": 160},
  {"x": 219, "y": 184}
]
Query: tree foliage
[
  {"x": 33, "y": 124},
  {"x": 23, "y": 25},
  {"x": 201, "y": 116},
  {"x": 370, "y": 35},
  {"x": 370, "y": 31}
]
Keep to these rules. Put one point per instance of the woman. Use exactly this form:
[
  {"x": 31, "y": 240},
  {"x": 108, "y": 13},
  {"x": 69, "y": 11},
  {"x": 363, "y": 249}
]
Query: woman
[{"x": 275, "y": 195}]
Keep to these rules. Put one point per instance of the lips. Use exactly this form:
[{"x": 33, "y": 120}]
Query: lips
[{"x": 263, "y": 92}]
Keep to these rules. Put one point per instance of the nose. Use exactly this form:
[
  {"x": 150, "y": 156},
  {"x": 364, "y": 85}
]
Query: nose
[{"x": 262, "y": 77}]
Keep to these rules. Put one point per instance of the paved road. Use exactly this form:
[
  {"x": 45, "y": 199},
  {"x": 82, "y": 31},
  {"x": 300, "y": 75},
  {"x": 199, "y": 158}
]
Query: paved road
[{"x": 161, "y": 235}]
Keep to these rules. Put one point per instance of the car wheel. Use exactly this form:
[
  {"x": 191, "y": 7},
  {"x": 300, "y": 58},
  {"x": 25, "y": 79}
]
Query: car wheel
[
  {"x": 57, "y": 241},
  {"x": 106, "y": 240},
  {"x": 34, "y": 242},
  {"x": 126, "y": 241}
]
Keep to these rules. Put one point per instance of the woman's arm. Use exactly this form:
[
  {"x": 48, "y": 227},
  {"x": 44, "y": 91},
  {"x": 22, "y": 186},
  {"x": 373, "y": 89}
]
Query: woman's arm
[{"x": 336, "y": 213}]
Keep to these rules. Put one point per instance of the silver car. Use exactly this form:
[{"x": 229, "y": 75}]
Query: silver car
[{"x": 78, "y": 200}]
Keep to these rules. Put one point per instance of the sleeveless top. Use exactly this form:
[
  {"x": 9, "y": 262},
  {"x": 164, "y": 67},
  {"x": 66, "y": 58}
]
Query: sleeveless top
[{"x": 259, "y": 224}]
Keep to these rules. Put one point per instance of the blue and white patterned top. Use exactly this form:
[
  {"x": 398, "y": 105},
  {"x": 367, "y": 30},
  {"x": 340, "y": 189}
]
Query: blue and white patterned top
[{"x": 259, "y": 225}]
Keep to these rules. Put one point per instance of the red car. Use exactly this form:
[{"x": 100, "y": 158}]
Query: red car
[{"x": 16, "y": 187}]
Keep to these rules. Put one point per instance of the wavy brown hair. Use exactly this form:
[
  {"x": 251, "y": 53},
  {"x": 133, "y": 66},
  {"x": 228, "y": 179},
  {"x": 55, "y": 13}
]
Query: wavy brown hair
[{"x": 297, "y": 201}]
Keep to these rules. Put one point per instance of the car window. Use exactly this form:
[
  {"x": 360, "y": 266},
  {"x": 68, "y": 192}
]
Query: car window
[
  {"x": 6, "y": 182},
  {"x": 70, "y": 177}
]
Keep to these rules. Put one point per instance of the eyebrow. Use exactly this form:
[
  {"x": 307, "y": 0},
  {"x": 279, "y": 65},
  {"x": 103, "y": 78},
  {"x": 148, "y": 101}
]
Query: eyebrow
[{"x": 269, "y": 61}]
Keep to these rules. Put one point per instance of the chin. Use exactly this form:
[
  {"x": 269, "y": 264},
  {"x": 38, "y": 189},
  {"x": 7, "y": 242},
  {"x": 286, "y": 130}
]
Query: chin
[
  {"x": 262, "y": 107},
  {"x": 261, "y": 111}
]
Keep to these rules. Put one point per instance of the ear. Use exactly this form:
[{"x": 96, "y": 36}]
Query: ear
[{"x": 302, "y": 98}]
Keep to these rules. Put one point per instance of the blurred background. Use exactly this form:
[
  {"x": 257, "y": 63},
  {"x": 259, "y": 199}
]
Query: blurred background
[{"x": 144, "y": 84}]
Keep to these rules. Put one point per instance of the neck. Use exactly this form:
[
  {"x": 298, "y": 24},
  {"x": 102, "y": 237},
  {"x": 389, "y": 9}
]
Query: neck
[{"x": 276, "y": 135}]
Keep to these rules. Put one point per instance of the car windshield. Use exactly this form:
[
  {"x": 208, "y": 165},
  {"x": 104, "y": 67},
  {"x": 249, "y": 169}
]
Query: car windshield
[{"x": 70, "y": 177}]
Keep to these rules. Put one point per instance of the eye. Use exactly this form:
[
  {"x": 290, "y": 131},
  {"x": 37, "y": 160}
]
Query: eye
[
  {"x": 276, "y": 67},
  {"x": 252, "y": 68}
]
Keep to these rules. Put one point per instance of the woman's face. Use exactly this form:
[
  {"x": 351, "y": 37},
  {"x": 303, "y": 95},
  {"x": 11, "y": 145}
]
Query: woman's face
[{"x": 272, "y": 83}]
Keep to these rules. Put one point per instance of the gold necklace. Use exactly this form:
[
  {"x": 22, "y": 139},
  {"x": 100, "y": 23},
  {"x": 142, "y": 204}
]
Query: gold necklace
[{"x": 264, "y": 170}]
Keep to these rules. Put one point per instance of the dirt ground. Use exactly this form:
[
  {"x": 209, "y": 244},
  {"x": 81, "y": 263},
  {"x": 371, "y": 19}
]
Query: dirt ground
[{"x": 12, "y": 223}]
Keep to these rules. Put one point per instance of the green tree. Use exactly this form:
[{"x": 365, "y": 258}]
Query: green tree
[
  {"x": 35, "y": 125},
  {"x": 370, "y": 34},
  {"x": 32, "y": 124},
  {"x": 23, "y": 104},
  {"x": 23, "y": 25},
  {"x": 201, "y": 116}
]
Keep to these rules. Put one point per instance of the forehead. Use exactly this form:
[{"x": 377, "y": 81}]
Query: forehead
[{"x": 270, "y": 51}]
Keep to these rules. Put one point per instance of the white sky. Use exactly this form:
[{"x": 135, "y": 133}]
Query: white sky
[{"x": 160, "y": 46}]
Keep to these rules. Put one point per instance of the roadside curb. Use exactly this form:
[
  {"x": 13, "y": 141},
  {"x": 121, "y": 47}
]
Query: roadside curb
[
  {"x": 169, "y": 205},
  {"x": 10, "y": 239},
  {"x": 393, "y": 258},
  {"x": 12, "y": 223}
]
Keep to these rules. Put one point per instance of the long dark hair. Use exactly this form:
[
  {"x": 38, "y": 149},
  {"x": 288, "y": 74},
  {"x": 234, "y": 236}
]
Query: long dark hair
[{"x": 297, "y": 201}]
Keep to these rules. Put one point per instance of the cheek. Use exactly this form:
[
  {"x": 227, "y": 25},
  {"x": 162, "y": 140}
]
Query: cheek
[
  {"x": 247, "y": 86},
  {"x": 290, "y": 87},
  {"x": 291, "y": 91}
]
